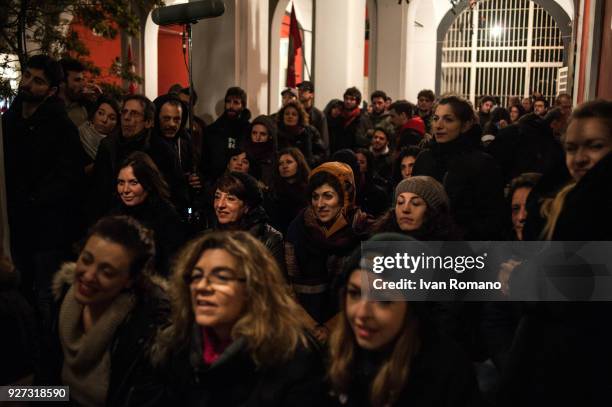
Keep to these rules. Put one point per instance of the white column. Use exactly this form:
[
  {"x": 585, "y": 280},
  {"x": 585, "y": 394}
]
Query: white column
[{"x": 339, "y": 48}]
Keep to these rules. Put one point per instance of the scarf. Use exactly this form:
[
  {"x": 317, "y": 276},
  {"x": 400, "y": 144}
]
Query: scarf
[
  {"x": 90, "y": 139},
  {"x": 86, "y": 367},
  {"x": 338, "y": 236},
  {"x": 293, "y": 131},
  {"x": 212, "y": 346},
  {"x": 350, "y": 115}
]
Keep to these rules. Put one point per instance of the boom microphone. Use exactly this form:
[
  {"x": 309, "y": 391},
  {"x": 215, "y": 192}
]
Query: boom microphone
[{"x": 188, "y": 13}]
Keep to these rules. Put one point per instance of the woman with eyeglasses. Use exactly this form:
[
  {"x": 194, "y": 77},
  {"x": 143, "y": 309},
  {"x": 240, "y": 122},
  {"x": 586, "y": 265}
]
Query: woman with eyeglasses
[
  {"x": 109, "y": 311},
  {"x": 236, "y": 338}
]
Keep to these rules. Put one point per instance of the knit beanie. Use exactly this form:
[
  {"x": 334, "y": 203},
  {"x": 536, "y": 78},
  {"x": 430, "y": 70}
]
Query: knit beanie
[{"x": 430, "y": 190}]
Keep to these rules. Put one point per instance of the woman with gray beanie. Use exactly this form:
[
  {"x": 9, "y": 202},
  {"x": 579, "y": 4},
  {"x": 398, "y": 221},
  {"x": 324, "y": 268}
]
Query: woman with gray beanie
[{"x": 420, "y": 210}]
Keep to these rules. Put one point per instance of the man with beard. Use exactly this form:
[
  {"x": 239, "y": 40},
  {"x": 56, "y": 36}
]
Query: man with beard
[
  {"x": 71, "y": 90},
  {"x": 485, "y": 109},
  {"x": 379, "y": 115},
  {"x": 355, "y": 123},
  {"x": 317, "y": 118},
  {"x": 137, "y": 117},
  {"x": 227, "y": 132},
  {"x": 172, "y": 149},
  {"x": 44, "y": 176},
  {"x": 425, "y": 100}
]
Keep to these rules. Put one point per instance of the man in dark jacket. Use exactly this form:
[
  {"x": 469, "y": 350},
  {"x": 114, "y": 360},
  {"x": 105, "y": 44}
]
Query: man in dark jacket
[
  {"x": 317, "y": 118},
  {"x": 355, "y": 123},
  {"x": 44, "y": 175},
  {"x": 425, "y": 101},
  {"x": 172, "y": 150},
  {"x": 379, "y": 115},
  {"x": 227, "y": 132}
]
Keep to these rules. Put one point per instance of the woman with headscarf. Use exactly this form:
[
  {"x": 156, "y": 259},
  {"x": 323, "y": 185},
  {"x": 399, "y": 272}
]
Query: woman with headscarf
[
  {"x": 319, "y": 240},
  {"x": 261, "y": 146}
]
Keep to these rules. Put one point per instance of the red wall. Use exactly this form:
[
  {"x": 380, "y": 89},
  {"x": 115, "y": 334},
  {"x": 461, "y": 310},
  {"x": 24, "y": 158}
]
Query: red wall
[
  {"x": 171, "y": 64},
  {"x": 102, "y": 51}
]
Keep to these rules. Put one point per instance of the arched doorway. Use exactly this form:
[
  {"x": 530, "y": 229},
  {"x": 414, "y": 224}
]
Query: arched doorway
[{"x": 493, "y": 49}]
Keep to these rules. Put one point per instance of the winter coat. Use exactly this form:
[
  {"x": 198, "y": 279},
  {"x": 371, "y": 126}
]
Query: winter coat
[
  {"x": 235, "y": 380},
  {"x": 307, "y": 140},
  {"x": 528, "y": 146},
  {"x": 313, "y": 262},
  {"x": 43, "y": 163},
  {"x": 256, "y": 223},
  {"x": 131, "y": 382},
  {"x": 351, "y": 135},
  {"x": 473, "y": 183},
  {"x": 440, "y": 375},
  {"x": 168, "y": 229},
  {"x": 383, "y": 165},
  {"x": 264, "y": 155},
  {"x": 222, "y": 135},
  {"x": 318, "y": 120},
  {"x": 283, "y": 203},
  {"x": 373, "y": 197}
]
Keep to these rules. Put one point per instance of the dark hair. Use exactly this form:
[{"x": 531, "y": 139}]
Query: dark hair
[
  {"x": 302, "y": 115},
  {"x": 486, "y": 98},
  {"x": 71, "y": 65},
  {"x": 185, "y": 91},
  {"x": 386, "y": 129},
  {"x": 243, "y": 186},
  {"x": 238, "y": 92},
  {"x": 303, "y": 169},
  {"x": 427, "y": 94},
  {"x": 378, "y": 94},
  {"x": 334, "y": 103},
  {"x": 109, "y": 101},
  {"x": 520, "y": 108},
  {"x": 148, "y": 175},
  {"x": 176, "y": 88},
  {"x": 403, "y": 106},
  {"x": 411, "y": 151},
  {"x": 500, "y": 113},
  {"x": 135, "y": 238},
  {"x": 145, "y": 102},
  {"x": 369, "y": 159},
  {"x": 526, "y": 180},
  {"x": 51, "y": 68},
  {"x": 462, "y": 108},
  {"x": 595, "y": 109},
  {"x": 354, "y": 92},
  {"x": 321, "y": 178},
  {"x": 233, "y": 152},
  {"x": 541, "y": 99}
]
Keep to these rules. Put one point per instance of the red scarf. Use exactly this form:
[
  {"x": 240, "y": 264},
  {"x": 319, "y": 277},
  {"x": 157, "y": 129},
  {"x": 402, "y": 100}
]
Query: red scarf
[
  {"x": 349, "y": 116},
  {"x": 212, "y": 346}
]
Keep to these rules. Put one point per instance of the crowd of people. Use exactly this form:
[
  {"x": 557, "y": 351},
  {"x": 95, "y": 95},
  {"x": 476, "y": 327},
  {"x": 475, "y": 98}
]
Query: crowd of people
[{"x": 220, "y": 265}]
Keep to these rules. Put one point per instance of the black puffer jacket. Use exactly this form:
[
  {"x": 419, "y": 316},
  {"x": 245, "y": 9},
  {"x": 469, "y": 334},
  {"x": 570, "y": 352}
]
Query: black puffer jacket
[
  {"x": 307, "y": 140},
  {"x": 131, "y": 382},
  {"x": 234, "y": 380},
  {"x": 472, "y": 181}
]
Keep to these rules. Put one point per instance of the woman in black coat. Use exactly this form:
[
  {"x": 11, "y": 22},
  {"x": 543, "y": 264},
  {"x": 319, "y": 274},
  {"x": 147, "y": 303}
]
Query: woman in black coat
[
  {"x": 238, "y": 206},
  {"x": 471, "y": 178},
  {"x": 387, "y": 353},
  {"x": 143, "y": 195},
  {"x": 261, "y": 146},
  {"x": 294, "y": 131},
  {"x": 109, "y": 312},
  {"x": 237, "y": 337},
  {"x": 287, "y": 195}
]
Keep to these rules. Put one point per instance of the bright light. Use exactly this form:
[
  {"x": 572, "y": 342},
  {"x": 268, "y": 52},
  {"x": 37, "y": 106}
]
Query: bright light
[{"x": 496, "y": 30}]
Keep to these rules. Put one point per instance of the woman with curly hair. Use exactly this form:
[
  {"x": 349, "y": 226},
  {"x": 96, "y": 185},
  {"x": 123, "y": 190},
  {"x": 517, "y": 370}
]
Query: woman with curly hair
[
  {"x": 237, "y": 338},
  {"x": 295, "y": 131}
]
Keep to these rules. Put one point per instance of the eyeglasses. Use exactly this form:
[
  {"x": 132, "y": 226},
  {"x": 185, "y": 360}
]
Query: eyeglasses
[
  {"x": 131, "y": 113},
  {"x": 216, "y": 278}
]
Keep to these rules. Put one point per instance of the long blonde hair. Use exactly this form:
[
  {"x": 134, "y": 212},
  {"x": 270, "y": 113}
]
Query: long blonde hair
[
  {"x": 392, "y": 375},
  {"x": 271, "y": 324}
]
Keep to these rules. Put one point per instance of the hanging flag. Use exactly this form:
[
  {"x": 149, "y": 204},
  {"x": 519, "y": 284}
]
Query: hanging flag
[
  {"x": 132, "y": 88},
  {"x": 295, "y": 43}
]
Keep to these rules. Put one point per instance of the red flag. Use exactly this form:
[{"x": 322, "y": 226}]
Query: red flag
[
  {"x": 132, "y": 87},
  {"x": 295, "y": 43}
]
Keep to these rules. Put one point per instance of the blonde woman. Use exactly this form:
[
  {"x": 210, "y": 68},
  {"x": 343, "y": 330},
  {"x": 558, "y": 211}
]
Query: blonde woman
[{"x": 236, "y": 338}]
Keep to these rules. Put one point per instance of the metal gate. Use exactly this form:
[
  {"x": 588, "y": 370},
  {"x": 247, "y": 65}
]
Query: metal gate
[{"x": 502, "y": 48}]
